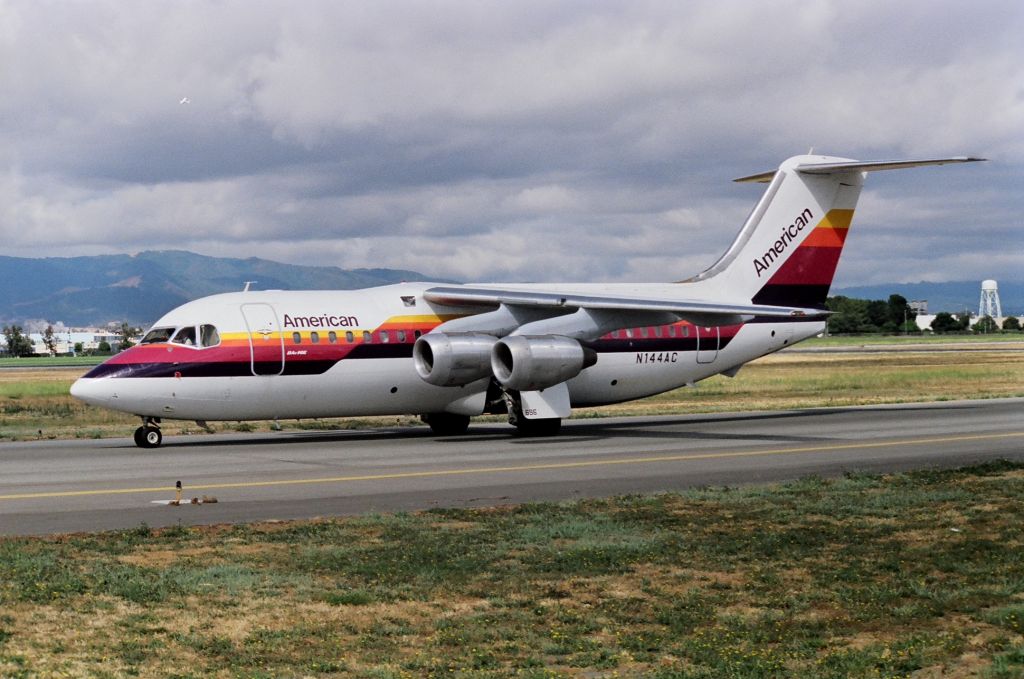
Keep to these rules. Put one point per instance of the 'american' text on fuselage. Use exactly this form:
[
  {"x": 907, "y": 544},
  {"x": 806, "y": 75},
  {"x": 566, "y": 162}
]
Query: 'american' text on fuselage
[{"x": 322, "y": 321}]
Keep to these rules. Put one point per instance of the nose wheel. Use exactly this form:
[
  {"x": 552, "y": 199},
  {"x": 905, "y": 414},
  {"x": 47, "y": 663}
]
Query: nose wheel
[{"x": 148, "y": 435}]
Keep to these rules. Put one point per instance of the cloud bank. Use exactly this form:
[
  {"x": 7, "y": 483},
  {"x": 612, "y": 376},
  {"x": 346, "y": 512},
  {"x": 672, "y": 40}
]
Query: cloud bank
[{"x": 495, "y": 141}]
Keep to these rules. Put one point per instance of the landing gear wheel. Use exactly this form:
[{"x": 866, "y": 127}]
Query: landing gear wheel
[
  {"x": 148, "y": 436},
  {"x": 447, "y": 424},
  {"x": 542, "y": 427}
]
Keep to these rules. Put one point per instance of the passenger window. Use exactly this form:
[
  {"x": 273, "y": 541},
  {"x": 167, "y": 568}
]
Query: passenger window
[
  {"x": 332, "y": 337},
  {"x": 418, "y": 334},
  {"x": 401, "y": 336},
  {"x": 367, "y": 337},
  {"x": 314, "y": 337},
  {"x": 629, "y": 332},
  {"x": 686, "y": 331},
  {"x": 186, "y": 336},
  {"x": 671, "y": 331},
  {"x": 349, "y": 337},
  {"x": 157, "y": 335},
  {"x": 208, "y": 335},
  {"x": 296, "y": 338},
  {"x": 384, "y": 336},
  {"x": 643, "y": 332},
  {"x": 657, "y": 331}
]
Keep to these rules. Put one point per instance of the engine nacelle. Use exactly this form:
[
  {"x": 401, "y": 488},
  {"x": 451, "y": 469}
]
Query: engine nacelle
[
  {"x": 533, "y": 362},
  {"x": 455, "y": 359}
]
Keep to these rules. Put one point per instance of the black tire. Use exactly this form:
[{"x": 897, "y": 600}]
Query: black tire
[
  {"x": 542, "y": 427},
  {"x": 447, "y": 424},
  {"x": 148, "y": 437}
]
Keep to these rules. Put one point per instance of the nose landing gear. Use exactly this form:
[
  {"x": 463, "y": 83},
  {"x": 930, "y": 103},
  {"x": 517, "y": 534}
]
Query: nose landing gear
[{"x": 149, "y": 434}]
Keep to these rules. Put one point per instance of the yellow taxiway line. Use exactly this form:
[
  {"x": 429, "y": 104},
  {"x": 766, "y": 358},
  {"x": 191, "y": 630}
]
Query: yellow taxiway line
[{"x": 526, "y": 467}]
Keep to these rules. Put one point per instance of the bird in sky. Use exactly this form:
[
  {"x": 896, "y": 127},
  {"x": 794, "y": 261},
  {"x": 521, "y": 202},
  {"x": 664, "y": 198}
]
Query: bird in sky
[{"x": 185, "y": 100}]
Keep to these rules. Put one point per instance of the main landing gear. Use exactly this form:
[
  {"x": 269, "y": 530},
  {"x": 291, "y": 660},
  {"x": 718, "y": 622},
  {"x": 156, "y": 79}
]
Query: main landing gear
[
  {"x": 548, "y": 426},
  {"x": 149, "y": 434},
  {"x": 447, "y": 424}
]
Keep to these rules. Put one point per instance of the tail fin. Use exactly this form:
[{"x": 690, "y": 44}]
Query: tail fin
[{"x": 787, "y": 251}]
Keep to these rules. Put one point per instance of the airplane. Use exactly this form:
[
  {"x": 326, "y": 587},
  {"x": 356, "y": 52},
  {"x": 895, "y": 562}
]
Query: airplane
[{"x": 535, "y": 352}]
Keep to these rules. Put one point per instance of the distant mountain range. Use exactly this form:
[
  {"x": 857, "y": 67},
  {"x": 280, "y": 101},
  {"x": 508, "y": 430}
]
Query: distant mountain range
[
  {"x": 951, "y": 296},
  {"x": 93, "y": 291}
]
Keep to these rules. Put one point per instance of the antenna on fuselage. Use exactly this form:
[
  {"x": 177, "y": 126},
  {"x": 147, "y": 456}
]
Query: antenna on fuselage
[{"x": 247, "y": 284}]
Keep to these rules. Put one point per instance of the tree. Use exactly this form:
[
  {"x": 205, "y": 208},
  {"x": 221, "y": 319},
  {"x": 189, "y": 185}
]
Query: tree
[
  {"x": 944, "y": 322},
  {"x": 125, "y": 334},
  {"x": 1011, "y": 323},
  {"x": 78, "y": 348},
  {"x": 103, "y": 347},
  {"x": 849, "y": 316},
  {"x": 985, "y": 325},
  {"x": 901, "y": 314},
  {"x": 50, "y": 341},
  {"x": 964, "y": 319},
  {"x": 17, "y": 343}
]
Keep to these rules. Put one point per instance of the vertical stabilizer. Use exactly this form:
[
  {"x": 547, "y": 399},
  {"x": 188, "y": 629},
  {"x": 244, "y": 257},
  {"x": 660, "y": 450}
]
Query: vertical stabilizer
[{"x": 787, "y": 252}]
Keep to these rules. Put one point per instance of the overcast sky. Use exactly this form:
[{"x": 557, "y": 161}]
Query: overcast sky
[{"x": 513, "y": 141}]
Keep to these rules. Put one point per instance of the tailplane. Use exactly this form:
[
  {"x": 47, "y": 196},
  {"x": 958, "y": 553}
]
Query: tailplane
[{"x": 787, "y": 251}]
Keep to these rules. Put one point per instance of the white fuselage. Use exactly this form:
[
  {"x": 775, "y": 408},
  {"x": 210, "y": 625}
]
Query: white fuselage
[{"x": 312, "y": 354}]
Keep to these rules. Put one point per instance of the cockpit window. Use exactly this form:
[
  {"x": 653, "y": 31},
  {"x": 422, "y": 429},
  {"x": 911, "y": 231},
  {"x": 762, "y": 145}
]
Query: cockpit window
[
  {"x": 157, "y": 335},
  {"x": 208, "y": 335},
  {"x": 186, "y": 336}
]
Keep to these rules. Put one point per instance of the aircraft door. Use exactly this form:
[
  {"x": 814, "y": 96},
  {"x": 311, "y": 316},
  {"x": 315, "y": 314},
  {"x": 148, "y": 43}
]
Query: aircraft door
[
  {"x": 266, "y": 343},
  {"x": 707, "y": 344}
]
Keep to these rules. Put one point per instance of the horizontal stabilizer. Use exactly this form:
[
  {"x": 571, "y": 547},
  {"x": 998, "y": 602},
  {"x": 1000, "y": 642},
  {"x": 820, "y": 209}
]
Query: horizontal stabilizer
[{"x": 860, "y": 166}]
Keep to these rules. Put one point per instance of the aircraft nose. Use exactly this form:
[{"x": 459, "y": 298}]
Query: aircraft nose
[{"x": 90, "y": 390}]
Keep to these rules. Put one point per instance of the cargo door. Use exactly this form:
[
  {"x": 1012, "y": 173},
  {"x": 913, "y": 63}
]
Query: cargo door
[{"x": 266, "y": 343}]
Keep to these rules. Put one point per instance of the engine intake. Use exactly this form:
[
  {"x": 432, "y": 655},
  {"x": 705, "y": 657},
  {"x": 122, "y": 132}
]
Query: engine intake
[
  {"x": 453, "y": 359},
  {"x": 533, "y": 362}
]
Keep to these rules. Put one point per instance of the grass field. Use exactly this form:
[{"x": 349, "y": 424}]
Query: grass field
[
  {"x": 865, "y": 576},
  {"x": 34, "y": 403},
  {"x": 51, "y": 362}
]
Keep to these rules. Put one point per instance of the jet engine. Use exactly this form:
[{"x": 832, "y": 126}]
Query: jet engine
[
  {"x": 533, "y": 362},
  {"x": 453, "y": 359}
]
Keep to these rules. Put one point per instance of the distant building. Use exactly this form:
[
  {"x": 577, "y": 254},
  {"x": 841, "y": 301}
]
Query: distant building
[
  {"x": 89, "y": 338},
  {"x": 919, "y": 306}
]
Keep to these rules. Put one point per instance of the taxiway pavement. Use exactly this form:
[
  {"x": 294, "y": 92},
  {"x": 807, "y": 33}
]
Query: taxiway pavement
[{"x": 74, "y": 486}]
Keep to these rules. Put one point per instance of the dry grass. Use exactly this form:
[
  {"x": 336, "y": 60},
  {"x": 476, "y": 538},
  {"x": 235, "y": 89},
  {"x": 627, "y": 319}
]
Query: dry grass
[
  {"x": 808, "y": 380},
  {"x": 854, "y": 577}
]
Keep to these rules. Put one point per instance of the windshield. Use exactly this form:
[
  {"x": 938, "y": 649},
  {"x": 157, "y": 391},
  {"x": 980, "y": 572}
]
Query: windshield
[
  {"x": 186, "y": 335},
  {"x": 157, "y": 335},
  {"x": 205, "y": 335}
]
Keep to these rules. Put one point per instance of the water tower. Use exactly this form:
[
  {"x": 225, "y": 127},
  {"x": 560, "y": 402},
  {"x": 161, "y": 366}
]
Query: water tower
[{"x": 989, "y": 305}]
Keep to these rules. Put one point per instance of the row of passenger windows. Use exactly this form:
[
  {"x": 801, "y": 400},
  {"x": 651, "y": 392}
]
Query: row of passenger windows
[
  {"x": 656, "y": 331},
  {"x": 403, "y": 336},
  {"x": 383, "y": 336}
]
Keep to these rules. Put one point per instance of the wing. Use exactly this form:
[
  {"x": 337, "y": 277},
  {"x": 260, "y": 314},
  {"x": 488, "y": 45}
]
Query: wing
[{"x": 716, "y": 312}]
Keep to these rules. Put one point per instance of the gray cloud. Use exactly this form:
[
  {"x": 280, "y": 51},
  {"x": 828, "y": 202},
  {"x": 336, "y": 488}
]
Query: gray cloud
[{"x": 503, "y": 141}]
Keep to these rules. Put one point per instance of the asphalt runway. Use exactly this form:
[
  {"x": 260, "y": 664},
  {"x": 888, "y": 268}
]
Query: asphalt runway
[{"x": 75, "y": 486}]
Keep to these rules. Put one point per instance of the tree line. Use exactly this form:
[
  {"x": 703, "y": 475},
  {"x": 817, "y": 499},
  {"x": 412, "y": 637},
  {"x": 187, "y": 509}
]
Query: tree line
[{"x": 895, "y": 316}]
